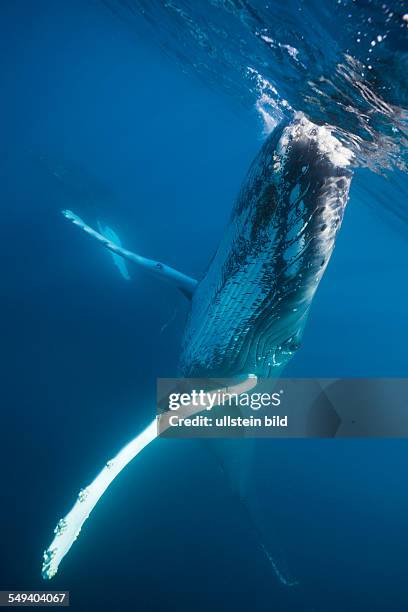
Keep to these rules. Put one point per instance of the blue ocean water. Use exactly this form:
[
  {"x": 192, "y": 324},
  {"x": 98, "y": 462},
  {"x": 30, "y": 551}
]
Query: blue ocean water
[{"x": 144, "y": 116}]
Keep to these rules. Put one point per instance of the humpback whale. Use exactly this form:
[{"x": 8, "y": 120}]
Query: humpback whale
[{"x": 249, "y": 310}]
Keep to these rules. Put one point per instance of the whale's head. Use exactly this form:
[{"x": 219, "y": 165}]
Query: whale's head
[{"x": 249, "y": 311}]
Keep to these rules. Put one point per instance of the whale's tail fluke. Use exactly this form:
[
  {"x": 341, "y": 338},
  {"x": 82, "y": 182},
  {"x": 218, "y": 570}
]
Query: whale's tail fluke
[
  {"x": 118, "y": 260},
  {"x": 184, "y": 283}
]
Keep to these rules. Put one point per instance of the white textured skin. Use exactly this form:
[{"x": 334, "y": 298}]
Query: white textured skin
[
  {"x": 69, "y": 528},
  {"x": 328, "y": 145}
]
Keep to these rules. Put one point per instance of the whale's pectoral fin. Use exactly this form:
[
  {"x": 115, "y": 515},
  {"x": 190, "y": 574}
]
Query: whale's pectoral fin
[
  {"x": 69, "y": 527},
  {"x": 184, "y": 283}
]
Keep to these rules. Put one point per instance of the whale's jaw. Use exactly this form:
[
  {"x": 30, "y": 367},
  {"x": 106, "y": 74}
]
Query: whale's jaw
[{"x": 249, "y": 311}]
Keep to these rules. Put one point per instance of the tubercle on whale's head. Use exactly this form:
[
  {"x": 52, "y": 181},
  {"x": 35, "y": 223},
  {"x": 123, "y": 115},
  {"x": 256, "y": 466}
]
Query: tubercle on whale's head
[
  {"x": 328, "y": 146},
  {"x": 249, "y": 311}
]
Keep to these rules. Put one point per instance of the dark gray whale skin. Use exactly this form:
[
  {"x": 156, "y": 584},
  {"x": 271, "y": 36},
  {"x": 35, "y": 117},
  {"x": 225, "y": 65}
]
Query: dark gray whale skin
[{"x": 249, "y": 311}]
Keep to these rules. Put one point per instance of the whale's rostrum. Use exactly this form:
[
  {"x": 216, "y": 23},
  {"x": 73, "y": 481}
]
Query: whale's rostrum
[{"x": 249, "y": 310}]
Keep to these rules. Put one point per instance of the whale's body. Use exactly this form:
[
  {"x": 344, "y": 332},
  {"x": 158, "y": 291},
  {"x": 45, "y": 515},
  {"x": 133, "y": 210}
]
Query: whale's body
[{"x": 248, "y": 312}]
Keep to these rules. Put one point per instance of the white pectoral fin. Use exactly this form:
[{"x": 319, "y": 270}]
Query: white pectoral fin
[
  {"x": 68, "y": 528},
  {"x": 186, "y": 284}
]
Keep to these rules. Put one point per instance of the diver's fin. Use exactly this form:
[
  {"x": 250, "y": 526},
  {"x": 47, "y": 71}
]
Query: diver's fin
[
  {"x": 108, "y": 233},
  {"x": 186, "y": 284}
]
